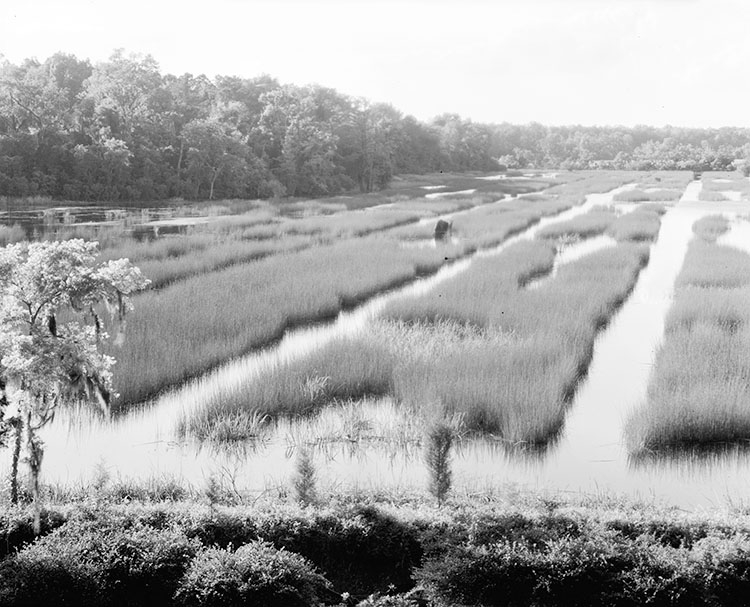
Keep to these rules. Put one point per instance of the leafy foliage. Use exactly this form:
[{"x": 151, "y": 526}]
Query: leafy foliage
[{"x": 254, "y": 574}]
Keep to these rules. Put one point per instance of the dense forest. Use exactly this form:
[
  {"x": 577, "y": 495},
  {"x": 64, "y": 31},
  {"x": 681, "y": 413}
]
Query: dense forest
[{"x": 122, "y": 130}]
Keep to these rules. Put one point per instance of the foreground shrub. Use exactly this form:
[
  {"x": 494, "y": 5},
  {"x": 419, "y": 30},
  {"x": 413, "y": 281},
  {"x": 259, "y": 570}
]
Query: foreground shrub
[
  {"x": 590, "y": 571},
  {"x": 17, "y": 530},
  {"x": 97, "y": 565},
  {"x": 255, "y": 574},
  {"x": 360, "y": 551}
]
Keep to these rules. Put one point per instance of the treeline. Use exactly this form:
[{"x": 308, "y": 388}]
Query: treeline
[
  {"x": 122, "y": 130},
  {"x": 641, "y": 148}
]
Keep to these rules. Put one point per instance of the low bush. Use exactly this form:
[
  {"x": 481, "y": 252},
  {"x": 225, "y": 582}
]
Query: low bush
[
  {"x": 97, "y": 563},
  {"x": 16, "y": 528},
  {"x": 254, "y": 574},
  {"x": 361, "y": 550}
]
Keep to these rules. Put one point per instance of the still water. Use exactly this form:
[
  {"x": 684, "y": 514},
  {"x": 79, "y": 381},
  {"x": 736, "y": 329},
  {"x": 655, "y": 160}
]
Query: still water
[{"x": 376, "y": 444}]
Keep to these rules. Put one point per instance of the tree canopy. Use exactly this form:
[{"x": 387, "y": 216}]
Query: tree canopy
[
  {"x": 122, "y": 130},
  {"x": 51, "y": 294}
]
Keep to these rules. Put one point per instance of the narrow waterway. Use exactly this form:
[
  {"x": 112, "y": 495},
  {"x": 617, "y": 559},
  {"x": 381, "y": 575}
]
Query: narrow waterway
[
  {"x": 143, "y": 442},
  {"x": 591, "y": 454}
]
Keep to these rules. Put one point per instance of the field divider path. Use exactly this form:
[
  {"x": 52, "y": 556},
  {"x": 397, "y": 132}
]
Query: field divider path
[{"x": 151, "y": 427}]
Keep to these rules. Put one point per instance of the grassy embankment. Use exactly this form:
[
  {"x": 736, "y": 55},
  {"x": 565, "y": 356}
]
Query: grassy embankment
[
  {"x": 400, "y": 552},
  {"x": 479, "y": 348},
  {"x": 699, "y": 392}
]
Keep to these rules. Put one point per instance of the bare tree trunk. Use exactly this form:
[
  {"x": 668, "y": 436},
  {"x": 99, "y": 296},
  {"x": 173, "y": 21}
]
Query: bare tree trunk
[
  {"x": 213, "y": 181},
  {"x": 18, "y": 428},
  {"x": 36, "y": 452},
  {"x": 179, "y": 160}
]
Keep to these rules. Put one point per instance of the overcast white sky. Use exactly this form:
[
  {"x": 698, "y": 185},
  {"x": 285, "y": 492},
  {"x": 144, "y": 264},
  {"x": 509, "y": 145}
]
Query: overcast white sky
[{"x": 680, "y": 62}]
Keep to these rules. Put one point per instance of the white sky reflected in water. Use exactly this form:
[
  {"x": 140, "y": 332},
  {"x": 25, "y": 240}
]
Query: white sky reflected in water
[{"x": 552, "y": 61}]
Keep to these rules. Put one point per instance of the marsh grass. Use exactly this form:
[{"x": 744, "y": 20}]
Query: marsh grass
[
  {"x": 487, "y": 227},
  {"x": 644, "y": 196},
  {"x": 699, "y": 392},
  {"x": 641, "y": 225},
  {"x": 711, "y": 196},
  {"x": 215, "y": 257},
  {"x": 233, "y": 311},
  {"x": 345, "y": 368},
  {"x": 518, "y": 388},
  {"x": 351, "y": 223},
  {"x": 593, "y": 223},
  {"x": 490, "y": 225},
  {"x": 711, "y": 227},
  {"x": 590, "y": 182},
  {"x": 711, "y": 266},
  {"x": 668, "y": 180},
  {"x": 479, "y": 346},
  {"x": 722, "y": 181}
]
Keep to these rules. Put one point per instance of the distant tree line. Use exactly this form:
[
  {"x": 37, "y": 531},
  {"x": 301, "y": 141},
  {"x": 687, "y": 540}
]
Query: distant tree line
[
  {"x": 121, "y": 130},
  {"x": 638, "y": 147}
]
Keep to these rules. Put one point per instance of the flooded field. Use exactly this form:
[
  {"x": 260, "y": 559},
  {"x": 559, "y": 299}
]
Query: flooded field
[{"x": 377, "y": 442}]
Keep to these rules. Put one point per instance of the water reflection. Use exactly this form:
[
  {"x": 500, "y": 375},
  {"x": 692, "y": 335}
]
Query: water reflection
[{"x": 693, "y": 458}]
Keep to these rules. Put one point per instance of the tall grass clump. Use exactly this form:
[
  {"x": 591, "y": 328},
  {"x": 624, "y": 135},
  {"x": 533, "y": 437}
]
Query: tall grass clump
[
  {"x": 699, "y": 392},
  {"x": 641, "y": 225},
  {"x": 346, "y": 368},
  {"x": 644, "y": 196},
  {"x": 711, "y": 266},
  {"x": 487, "y": 227},
  {"x": 709, "y": 228},
  {"x": 304, "y": 479},
  {"x": 517, "y": 387},
  {"x": 188, "y": 327},
  {"x": 437, "y": 460},
  {"x": 711, "y": 196},
  {"x": 593, "y": 223}
]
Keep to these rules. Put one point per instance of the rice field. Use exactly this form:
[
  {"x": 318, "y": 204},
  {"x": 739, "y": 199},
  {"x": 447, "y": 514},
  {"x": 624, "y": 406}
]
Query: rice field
[
  {"x": 232, "y": 311},
  {"x": 479, "y": 348},
  {"x": 699, "y": 392},
  {"x": 501, "y": 347}
]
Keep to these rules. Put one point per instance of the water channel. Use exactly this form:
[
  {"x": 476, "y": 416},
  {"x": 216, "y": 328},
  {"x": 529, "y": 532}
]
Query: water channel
[{"x": 589, "y": 458}]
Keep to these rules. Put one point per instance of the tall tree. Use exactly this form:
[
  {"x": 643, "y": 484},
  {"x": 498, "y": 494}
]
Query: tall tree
[{"x": 50, "y": 333}]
